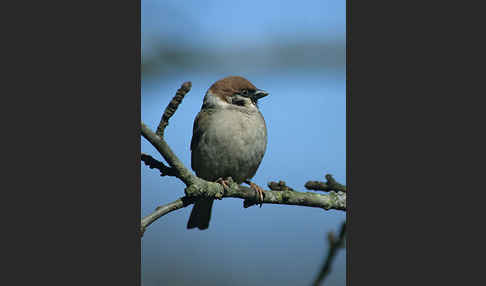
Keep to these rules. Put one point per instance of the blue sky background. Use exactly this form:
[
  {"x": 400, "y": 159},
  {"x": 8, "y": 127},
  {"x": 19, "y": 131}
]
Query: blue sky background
[{"x": 296, "y": 52}]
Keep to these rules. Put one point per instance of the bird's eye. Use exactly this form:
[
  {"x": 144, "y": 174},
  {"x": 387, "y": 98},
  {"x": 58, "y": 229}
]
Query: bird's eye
[{"x": 244, "y": 91}]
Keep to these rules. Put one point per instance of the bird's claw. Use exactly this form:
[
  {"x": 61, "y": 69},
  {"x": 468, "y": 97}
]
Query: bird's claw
[
  {"x": 259, "y": 192},
  {"x": 223, "y": 183}
]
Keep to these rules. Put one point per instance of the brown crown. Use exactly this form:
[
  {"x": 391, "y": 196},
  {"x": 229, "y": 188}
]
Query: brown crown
[{"x": 229, "y": 85}]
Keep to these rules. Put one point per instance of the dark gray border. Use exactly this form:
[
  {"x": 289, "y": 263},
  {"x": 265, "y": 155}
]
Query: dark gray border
[
  {"x": 407, "y": 149},
  {"x": 78, "y": 147}
]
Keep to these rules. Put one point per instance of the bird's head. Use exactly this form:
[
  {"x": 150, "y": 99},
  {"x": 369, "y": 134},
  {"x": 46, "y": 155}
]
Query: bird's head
[{"x": 233, "y": 91}]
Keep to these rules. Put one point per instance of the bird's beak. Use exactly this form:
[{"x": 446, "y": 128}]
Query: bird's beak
[{"x": 259, "y": 94}]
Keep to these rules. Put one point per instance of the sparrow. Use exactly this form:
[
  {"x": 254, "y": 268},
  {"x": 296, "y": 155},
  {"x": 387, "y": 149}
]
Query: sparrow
[{"x": 229, "y": 140}]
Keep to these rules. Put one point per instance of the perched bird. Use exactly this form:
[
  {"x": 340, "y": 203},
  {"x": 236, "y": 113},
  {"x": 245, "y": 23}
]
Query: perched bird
[{"x": 229, "y": 140}]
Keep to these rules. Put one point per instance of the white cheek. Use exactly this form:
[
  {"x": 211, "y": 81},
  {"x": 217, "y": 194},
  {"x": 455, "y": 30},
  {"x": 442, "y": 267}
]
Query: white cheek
[{"x": 212, "y": 100}]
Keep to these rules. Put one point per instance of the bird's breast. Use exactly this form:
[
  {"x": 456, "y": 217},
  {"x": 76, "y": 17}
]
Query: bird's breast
[{"x": 233, "y": 144}]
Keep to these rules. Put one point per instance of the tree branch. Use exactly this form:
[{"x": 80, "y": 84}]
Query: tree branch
[
  {"x": 332, "y": 200},
  {"x": 334, "y": 245}
]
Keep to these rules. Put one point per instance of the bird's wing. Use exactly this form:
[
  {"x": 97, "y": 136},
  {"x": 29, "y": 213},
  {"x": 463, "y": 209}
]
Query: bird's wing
[
  {"x": 198, "y": 128},
  {"x": 201, "y": 123}
]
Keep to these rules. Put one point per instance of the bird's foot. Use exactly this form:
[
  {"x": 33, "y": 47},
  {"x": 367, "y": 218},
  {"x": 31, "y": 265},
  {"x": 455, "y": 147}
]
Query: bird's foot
[
  {"x": 258, "y": 190},
  {"x": 223, "y": 183}
]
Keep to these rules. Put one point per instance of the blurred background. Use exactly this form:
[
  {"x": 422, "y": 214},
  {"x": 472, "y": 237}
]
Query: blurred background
[{"x": 296, "y": 51}]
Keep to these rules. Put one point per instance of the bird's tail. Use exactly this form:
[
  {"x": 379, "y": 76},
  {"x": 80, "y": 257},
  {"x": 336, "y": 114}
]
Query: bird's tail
[{"x": 200, "y": 214}]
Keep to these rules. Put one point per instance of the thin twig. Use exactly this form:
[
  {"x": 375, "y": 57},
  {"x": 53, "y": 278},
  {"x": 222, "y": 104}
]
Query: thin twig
[
  {"x": 154, "y": 163},
  {"x": 334, "y": 245},
  {"x": 330, "y": 185},
  {"x": 280, "y": 186},
  {"x": 163, "y": 210},
  {"x": 172, "y": 107}
]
